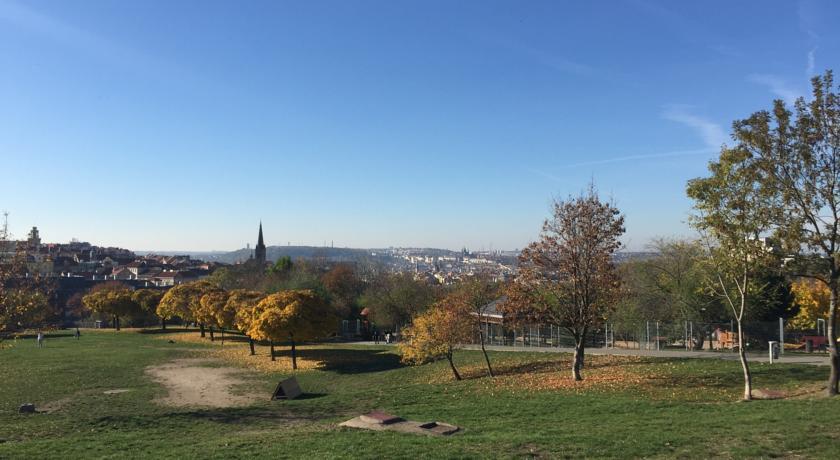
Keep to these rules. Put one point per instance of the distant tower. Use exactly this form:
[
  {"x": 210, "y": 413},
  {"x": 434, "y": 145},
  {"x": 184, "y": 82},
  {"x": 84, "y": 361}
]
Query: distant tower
[
  {"x": 259, "y": 250},
  {"x": 34, "y": 239}
]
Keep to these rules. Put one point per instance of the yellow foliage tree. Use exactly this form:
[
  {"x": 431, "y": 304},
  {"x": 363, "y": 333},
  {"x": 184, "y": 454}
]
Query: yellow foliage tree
[
  {"x": 112, "y": 299},
  {"x": 22, "y": 308},
  {"x": 238, "y": 312},
  {"x": 24, "y": 297},
  {"x": 812, "y": 297},
  {"x": 211, "y": 303},
  {"x": 294, "y": 314},
  {"x": 184, "y": 300},
  {"x": 437, "y": 332}
]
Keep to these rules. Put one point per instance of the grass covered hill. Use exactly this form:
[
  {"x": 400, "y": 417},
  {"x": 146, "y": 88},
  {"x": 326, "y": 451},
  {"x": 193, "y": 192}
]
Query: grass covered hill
[{"x": 153, "y": 395}]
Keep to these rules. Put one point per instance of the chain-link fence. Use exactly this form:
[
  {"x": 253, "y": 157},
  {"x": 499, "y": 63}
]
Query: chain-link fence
[{"x": 659, "y": 335}]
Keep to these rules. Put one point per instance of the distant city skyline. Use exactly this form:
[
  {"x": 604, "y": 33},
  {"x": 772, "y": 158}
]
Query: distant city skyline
[{"x": 179, "y": 126}]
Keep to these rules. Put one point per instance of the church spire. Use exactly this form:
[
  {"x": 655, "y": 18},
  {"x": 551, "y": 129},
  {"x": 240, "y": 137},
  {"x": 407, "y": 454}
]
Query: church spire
[{"x": 259, "y": 251}]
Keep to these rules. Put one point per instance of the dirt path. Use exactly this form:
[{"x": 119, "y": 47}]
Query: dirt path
[{"x": 191, "y": 382}]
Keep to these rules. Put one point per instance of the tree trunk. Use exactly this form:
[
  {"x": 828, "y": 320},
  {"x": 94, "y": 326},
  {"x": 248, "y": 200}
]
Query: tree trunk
[
  {"x": 486, "y": 358},
  {"x": 452, "y": 365},
  {"x": 834, "y": 357},
  {"x": 744, "y": 365},
  {"x": 251, "y": 345},
  {"x": 163, "y": 323},
  {"x": 271, "y": 347},
  {"x": 212, "y": 339},
  {"x": 294, "y": 356},
  {"x": 201, "y": 328},
  {"x": 116, "y": 322},
  {"x": 577, "y": 359}
]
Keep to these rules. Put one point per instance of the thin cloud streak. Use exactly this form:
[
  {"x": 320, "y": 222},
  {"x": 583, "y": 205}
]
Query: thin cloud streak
[
  {"x": 777, "y": 86},
  {"x": 677, "y": 153},
  {"x": 651, "y": 156},
  {"x": 711, "y": 133}
]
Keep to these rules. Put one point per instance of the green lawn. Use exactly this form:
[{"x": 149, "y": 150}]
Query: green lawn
[{"x": 641, "y": 408}]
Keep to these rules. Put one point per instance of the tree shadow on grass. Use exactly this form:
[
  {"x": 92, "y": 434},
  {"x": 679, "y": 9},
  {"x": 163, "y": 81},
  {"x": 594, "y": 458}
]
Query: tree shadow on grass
[
  {"x": 228, "y": 335},
  {"x": 310, "y": 396},
  {"x": 552, "y": 365},
  {"x": 347, "y": 361},
  {"x": 168, "y": 330}
]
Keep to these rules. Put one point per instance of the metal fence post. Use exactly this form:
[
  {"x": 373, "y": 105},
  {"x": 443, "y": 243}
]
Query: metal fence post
[
  {"x": 781, "y": 336},
  {"x": 657, "y": 336},
  {"x": 690, "y": 335}
]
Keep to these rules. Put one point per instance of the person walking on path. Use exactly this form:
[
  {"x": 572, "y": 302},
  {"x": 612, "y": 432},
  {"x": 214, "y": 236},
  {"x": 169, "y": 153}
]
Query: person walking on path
[{"x": 40, "y": 339}]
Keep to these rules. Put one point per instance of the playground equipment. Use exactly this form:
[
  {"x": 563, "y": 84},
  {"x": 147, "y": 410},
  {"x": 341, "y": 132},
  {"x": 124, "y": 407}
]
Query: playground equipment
[{"x": 727, "y": 340}]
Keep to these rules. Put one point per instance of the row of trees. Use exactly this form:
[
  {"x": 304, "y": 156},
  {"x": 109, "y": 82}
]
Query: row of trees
[
  {"x": 391, "y": 299},
  {"x": 289, "y": 315},
  {"x": 670, "y": 286},
  {"x": 116, "y": 300}
]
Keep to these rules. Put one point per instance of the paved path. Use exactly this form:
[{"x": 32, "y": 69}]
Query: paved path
[{"x": 817, "y": 359}]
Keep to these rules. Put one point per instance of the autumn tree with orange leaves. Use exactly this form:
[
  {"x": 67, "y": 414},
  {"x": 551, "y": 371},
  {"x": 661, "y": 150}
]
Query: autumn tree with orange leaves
[
  {"x": 568, "y": 278},
  {"x": 438, "y": 332}
]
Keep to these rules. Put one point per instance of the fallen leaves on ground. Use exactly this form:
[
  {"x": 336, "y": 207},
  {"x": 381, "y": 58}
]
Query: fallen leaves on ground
[
  {"x": 634, "y": 375},
  {"x": 237, "y": 352}
]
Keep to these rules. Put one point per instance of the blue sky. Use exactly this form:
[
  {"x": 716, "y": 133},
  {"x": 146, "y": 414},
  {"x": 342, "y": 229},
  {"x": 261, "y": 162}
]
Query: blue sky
[{"x": 179, "y": 125}]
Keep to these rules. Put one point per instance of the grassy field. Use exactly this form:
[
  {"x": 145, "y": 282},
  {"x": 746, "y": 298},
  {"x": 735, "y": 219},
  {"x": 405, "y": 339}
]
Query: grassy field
[{"x": 627, "y": 407}]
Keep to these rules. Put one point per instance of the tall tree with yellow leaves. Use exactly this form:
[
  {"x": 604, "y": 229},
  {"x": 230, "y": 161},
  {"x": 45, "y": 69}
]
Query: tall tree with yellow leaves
[
  {"x": 295, "y": 315},
  {"x": 211, "y": 303},
  {"x": 239, "y": 312},
  {"x": 813, "y": 299},
  {"x": 112, "y": 299},
  {"x": 184, "y": 300}
]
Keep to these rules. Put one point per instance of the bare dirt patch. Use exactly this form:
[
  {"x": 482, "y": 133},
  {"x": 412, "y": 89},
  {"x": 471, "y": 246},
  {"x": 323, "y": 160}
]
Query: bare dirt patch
[
  {"x": 190, "y": 382},
  {"x": 54, "y": 406}
]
